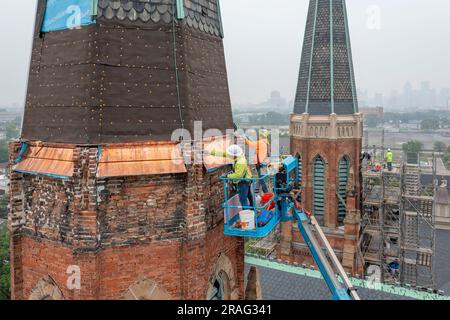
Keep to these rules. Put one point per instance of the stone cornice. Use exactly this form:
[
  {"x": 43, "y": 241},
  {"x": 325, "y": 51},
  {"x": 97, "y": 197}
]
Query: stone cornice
[{"x": 326, "y": 126}]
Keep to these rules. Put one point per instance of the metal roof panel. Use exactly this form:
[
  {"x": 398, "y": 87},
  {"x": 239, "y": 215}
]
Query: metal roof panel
[
  {"x": 140, "y": 159},
  {"x": 47, "y": 160}
]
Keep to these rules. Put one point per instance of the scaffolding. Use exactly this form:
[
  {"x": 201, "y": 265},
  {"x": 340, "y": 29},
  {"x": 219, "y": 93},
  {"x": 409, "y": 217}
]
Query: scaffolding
[{"x": 398, "y": 227}]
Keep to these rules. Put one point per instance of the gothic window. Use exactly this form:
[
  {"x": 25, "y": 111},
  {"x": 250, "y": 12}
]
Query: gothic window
[
  {"x": 222, "y": 282},
  {"x": 46, "y": 289},
  {"x": 146, "y": 289},
  {"x": 343, "y": 171},
  {"x": 300, "y": 170},
  {"x": 319, "y": 189},
  {"x": 218, "y": 289}
]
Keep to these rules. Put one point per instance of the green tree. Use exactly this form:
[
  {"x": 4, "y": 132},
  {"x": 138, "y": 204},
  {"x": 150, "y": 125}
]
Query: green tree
[
  {"x": 412, "y": 149},
  {"x": 3, "y": 207},
  {"x": 4, "y": 264},
  {"x": 439, "y": 146},
  {"x": 12, "y": 131}
]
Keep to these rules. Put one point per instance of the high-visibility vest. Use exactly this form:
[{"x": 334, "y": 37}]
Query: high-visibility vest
[
  {"x": 261, "y": 147},
  {"x": 241, "y": 170},
  {"x": 389, "y": 157}
]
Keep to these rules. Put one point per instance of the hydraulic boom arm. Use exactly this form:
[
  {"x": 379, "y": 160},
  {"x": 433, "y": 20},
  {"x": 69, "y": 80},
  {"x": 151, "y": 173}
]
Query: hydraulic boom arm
[{"x": 341, "y": 291}]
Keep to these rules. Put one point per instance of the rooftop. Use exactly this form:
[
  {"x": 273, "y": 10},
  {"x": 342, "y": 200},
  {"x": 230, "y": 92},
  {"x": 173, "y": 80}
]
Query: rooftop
[{"x": 285, "y": 282}]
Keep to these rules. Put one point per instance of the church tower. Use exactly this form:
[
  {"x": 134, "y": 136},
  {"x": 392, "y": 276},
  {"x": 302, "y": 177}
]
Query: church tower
[
  {"x": 326, "y": 132},
  {"x": 106, "y": 201}
]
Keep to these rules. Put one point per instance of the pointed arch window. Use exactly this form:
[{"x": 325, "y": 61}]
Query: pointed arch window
[
  {"x": 319, "y": 189},
  {"x": 343, "y": 171},
  {"x": 300, "y": 170}
]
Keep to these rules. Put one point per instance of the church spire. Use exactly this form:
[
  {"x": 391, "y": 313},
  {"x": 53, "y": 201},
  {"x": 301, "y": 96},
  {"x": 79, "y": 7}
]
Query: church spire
[{"x": 326, "y": 82}]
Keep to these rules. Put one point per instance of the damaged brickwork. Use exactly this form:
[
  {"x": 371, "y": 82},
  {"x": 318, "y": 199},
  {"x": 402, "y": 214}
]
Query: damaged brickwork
[
  {"x": 124, "y": 233},
  {"x": 126, "y": 222}
]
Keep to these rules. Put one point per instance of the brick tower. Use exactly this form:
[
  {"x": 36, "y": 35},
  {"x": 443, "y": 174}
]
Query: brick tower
[
  {"x": 326, "y": 132},
  {"x": 103, "y": 203}
]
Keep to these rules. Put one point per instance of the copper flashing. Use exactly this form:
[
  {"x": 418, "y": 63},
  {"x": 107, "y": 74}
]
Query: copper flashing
[
  {"x": 140, "y": 159},
  {"x": 52, "y": 161}
]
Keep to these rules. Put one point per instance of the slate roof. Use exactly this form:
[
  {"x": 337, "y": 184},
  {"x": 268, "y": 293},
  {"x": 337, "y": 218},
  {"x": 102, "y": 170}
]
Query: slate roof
[
  {"x": 279, "y": 285},
  {"x": 442, "y": 261},
  {"x": 326, "y": 81},
  {"x": 203, "y": 15}
]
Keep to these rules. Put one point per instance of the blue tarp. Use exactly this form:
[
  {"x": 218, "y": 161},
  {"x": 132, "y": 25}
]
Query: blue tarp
[{"x": 68, "y": 14}]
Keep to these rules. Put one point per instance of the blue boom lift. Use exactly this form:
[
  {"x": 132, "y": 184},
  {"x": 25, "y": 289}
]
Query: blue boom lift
[{"x": 285, "y": 205}]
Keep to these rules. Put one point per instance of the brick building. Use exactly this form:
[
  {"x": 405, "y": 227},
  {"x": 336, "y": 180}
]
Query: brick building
[
  {"x": 326, "y": 132},
  {"x": 103, "y": 205}
]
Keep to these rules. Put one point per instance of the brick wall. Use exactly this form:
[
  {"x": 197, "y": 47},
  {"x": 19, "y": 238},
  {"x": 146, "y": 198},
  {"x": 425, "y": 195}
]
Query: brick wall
[
  {"x": 344, "y": 240},
  {"x": 332, "y": 151},
  {"x": 165, "y": 228}
]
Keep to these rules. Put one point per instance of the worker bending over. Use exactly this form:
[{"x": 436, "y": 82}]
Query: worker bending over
[
  {"x": 261, "y": 147},
  {"x": 389, "y": 159},
  {"x": 241, "y": 170}
]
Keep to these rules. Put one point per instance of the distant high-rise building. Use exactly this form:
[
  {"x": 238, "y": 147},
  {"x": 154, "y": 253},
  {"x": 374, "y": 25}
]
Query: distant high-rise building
[
  {"x": 378, "y": 100},
  {"x": 363, "y": 97},
  {"x": 277, "y": 100},
  {"x": 444, "y": 98},
  {"x": 326, "y": 133},
  {"x": 407, "y": 95},
  {"x": 426, "y": 96}
]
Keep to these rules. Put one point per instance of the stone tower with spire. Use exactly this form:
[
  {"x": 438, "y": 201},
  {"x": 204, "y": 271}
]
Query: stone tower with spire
[
  {"x": 105, "y": 201},
  {"x": 326, "y": 133}
]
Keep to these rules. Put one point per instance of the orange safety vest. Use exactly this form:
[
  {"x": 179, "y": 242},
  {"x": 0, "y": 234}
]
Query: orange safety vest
[{"x": 261, "y": 146}]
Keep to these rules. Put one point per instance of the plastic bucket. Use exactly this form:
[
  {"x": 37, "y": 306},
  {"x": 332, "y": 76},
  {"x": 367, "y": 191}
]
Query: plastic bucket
[{"x": 247, "y": 219}]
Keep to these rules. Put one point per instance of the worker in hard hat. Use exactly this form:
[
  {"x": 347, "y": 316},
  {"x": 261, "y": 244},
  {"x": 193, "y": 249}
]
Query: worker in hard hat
[
  {"x": 261, "y": 147},
  {"x": 389, "y": 159},
  {"x": 241, "y": 170}
]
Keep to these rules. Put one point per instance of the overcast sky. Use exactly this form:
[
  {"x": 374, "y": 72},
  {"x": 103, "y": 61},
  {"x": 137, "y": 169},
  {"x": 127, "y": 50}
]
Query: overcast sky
[{"x": 393, "y": 41}]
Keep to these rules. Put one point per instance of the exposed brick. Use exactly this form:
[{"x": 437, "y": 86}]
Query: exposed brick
[{"x": 120, "y": 231}]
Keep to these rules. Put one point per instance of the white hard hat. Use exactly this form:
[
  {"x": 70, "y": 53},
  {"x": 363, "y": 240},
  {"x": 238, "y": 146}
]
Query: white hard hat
[
  {"x": 235, "y": 150},
  {"x": 389, "y": 149},
  {"x": 264, "y": 133}
]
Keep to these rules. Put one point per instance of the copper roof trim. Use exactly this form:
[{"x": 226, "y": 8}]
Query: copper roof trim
[
  {"x": 47, "y": 160},
  {"x": 140, "y": 159}
]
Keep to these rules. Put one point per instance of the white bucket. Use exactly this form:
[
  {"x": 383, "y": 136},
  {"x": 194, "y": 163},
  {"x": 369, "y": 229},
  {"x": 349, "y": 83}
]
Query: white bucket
[{"x": 247, "y": 219}]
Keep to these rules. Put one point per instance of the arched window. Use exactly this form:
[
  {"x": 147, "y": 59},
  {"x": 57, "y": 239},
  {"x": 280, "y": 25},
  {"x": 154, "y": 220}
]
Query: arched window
[
  {"x": 219, "y": 289},
  {"x": 222, "y": 282},
  {"x": 46, "y": 289},
  {"x": 300, "y": 170},
  {"x": 319, "y": 189},
  {"x": 343, "y": 171},
  {"x": 145, "y": 289}
]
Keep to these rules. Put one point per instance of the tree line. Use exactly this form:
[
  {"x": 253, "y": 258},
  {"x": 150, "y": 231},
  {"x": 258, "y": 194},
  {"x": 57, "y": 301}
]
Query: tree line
[{"x": 429, "y": 120}]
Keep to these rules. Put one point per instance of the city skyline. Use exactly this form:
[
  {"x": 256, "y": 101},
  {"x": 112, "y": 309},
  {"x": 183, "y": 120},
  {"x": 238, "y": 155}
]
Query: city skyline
[{"x": 439, "y": 98}]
